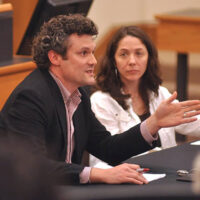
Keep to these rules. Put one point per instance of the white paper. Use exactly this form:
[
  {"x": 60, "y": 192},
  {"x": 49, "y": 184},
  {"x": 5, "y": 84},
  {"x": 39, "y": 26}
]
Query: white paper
[
  {"x": 195, "y": 143},
  {"x": 151, "y": 177}
]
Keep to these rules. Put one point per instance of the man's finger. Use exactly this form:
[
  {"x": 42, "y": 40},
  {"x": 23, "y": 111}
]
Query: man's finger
[
  {"x": 172, "y": 98},
  {"x": 190, "y": 103}
]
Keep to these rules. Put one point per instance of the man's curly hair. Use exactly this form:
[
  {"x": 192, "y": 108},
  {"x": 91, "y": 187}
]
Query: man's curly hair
[{"x": 53, "y": 35}]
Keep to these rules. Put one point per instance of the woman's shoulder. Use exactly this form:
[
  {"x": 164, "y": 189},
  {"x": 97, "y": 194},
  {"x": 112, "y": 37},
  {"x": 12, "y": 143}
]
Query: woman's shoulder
[
  {"x": 104, "y": 99},
  {"x": 163, "y": 90},
  {"x": 163, "y": 93},
  {"x": 99, "y": 95}
]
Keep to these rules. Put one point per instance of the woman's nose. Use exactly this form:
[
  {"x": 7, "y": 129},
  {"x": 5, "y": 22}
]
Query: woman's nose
[{"x": 132, "y": 59}]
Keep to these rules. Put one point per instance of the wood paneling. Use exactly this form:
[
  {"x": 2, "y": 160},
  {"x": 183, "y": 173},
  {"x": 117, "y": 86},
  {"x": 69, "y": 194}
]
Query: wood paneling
[
  {"x": 6, "y": 32},
  {"x": 22, "y": 13},
  {"x": 11, "y": 76},
  {"x": 6, "y": 7},
  {"x": 182, "y": 37},
  {"x": 179, "y": 31}
]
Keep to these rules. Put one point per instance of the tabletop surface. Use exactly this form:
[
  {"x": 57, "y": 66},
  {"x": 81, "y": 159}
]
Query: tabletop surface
[{"x": 166, "y": 161}]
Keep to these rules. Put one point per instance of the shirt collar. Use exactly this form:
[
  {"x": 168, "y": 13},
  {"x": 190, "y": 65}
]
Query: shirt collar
[{"x": 67, "y": 96}]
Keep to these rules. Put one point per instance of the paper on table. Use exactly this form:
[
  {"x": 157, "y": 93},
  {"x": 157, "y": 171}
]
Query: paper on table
[
  {"x": 195, "y": 143},
  {"x": 152, "y": 177}
]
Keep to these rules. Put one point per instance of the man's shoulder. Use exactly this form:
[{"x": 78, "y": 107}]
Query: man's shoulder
[
  {"x": 34, "y": 89},
  {"x": 35, "y": 77},
  {"x": 35, "y": 85},
  {"x": 35, "y": 81}
]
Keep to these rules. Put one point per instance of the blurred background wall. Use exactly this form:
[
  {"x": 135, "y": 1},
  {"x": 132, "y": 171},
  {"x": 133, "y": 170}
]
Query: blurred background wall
[{"x": 109, "y": 13}]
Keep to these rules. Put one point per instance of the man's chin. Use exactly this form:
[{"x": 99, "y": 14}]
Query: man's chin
[{"x": 91, "y": 81}]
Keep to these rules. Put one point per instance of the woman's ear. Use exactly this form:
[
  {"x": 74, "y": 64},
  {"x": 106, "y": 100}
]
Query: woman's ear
[{"x": 54, "y": 58}]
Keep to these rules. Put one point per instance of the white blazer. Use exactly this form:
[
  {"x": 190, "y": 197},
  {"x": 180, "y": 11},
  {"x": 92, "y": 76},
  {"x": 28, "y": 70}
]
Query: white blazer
[{"x": 117, "y": 120}]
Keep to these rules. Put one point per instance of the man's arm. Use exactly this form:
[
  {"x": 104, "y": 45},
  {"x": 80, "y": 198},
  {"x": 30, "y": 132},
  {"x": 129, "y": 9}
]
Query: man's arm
[{"x": 27, "y": 122}]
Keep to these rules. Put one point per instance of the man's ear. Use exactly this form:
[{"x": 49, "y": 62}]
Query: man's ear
[{"x": 54, "y": 57}]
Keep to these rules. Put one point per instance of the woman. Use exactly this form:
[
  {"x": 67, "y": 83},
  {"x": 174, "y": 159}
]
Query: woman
[{"x": 129, "y": 87}]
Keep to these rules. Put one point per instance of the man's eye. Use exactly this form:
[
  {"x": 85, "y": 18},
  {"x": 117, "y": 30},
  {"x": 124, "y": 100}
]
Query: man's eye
[{"x": 83, "y": 53}]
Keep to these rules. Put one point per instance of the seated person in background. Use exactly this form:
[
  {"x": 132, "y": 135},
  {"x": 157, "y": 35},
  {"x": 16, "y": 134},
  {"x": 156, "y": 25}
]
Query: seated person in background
[
  {"x": 49, "y": 110},
  {"x": 129, "y": 87}
]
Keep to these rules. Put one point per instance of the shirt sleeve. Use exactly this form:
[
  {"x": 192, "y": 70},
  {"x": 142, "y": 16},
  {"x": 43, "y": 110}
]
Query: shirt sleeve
[
  {"x": 85, "y": 175},
  {"x": 146, "y": 134}
]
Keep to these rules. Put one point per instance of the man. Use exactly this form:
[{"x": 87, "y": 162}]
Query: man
[{"x": 50, "y": 111}]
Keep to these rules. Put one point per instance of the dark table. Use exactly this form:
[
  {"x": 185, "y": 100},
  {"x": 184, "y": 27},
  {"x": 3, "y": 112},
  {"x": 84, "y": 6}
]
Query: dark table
[{"x": 166, "y": 161}]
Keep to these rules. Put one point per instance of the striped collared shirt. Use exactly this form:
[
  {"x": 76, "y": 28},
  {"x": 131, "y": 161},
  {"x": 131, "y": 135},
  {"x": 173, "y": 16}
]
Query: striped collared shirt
[{"x": 71, "y": 103}]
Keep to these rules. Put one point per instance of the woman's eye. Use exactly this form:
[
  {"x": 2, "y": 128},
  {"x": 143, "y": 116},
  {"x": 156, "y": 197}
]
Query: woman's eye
[
  {"x": 123, "y": 54},
  {"x": 139, "y": 53}
]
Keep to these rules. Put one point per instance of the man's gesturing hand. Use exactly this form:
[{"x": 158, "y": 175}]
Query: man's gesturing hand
[{"x": 171, "y": 113}]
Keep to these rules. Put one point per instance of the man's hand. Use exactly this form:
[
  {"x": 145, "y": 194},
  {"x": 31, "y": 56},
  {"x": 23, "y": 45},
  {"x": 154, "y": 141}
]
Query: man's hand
[
  {"x": 124, "y": 173},
  {"x": 171, "y": 113}
]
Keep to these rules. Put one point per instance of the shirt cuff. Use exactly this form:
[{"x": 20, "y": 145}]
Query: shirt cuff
[
  {"x": 85, "y": 175},
  {"x": 146, "y": 134}
]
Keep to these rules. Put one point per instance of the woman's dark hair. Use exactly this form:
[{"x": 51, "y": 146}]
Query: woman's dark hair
[
  {"x": 108, "y": 81},
  {"x": 53, "y": 35}
]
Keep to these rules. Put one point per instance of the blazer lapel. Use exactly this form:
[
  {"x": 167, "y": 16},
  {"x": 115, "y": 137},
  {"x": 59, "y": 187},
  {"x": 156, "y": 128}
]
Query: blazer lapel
[
  {"x": 59, "y": 103},
  {"x": 80, "y": 133}
]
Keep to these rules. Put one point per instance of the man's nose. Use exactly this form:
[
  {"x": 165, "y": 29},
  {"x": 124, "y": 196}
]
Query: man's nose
[{"x": 93, "y": 60}]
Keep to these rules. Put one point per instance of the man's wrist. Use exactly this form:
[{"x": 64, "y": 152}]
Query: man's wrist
[
  {"x": 97, "y": 175},
  {"x": 149, "y": 138},
  {"x": 85, "y": 175},
  {"x": 152, "y": 125}
]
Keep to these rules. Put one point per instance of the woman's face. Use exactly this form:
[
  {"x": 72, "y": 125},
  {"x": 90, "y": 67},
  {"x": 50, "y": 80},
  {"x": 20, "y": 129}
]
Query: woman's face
[{"x": 131, "y": 59}]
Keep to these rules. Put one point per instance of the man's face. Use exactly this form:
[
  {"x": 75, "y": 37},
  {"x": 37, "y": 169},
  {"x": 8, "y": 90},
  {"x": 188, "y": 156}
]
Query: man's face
[{"x": 77, "y": 69}]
